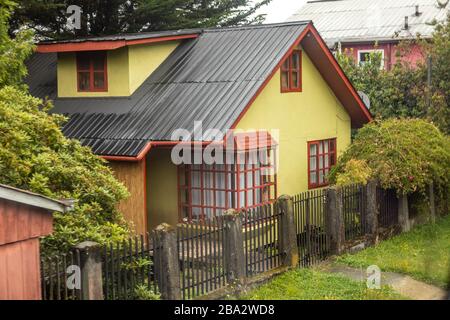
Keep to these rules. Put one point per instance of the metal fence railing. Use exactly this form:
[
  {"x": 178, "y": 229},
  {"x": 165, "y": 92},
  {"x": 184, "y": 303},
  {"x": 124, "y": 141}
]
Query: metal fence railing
[
  {"x": 56, "y": 282},
  {"x": 312, "y": 238},
  {"x": 201, "y": 255},
  {"x": 388, "y": 208},
  {"x": 129, "y": 268},
  {"x": 261, "y": 234},
  {"x": 354, "y": 219}
]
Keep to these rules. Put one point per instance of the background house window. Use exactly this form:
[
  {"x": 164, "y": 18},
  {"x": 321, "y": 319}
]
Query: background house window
[
  {"x": 92, "y": 72},
  {"x": 321, "y": 158},
  {"x": 364, "y": 56},
  {"x": 291, "y": 73},
  {"x": 206, "y": 191}
]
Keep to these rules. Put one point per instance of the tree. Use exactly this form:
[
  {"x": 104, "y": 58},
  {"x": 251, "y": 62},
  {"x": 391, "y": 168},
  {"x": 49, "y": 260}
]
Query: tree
[
  {"x": 403, "y": 154},
  {"x": 13, "y": 52},
  {"x": 35, "y": 156},
  {"x": 403, "y": 91},
  {"x": 104, "y": 17}
]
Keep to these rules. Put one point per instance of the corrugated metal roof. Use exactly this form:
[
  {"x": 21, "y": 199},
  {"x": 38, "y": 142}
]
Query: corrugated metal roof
[
  {"x": 209, "y": 79},
  {"x": 362, "y": 20},
  {"x": 129, "y": 36}
]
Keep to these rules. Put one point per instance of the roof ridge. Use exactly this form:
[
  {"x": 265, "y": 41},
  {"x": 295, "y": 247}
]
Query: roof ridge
[{"x": 259, "y": 26}]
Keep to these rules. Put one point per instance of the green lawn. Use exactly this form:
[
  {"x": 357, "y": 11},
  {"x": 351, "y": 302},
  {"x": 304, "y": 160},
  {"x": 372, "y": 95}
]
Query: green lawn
[
  {"x": 308, "y": 284},
  {"x": 423, "y": 253}
]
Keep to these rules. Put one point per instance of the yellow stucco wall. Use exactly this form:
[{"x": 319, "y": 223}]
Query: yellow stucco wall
[
  {"x": 313, "y": 114},
  {"x": 128, "y": 68},
  {"x": 162, "y": 189}
]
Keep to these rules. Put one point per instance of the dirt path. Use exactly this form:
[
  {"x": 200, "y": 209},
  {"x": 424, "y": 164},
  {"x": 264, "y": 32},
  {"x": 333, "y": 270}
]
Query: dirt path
[{"x": 404, "y": 285}]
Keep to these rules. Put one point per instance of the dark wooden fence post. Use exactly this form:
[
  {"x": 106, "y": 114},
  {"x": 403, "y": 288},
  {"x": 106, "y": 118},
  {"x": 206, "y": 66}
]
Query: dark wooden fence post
[
  {"x": 403, "y": 213},
  {"x": 91, "y": 270},
  {"x": 287, "y": 237},
  {"x": 371, "y": 210},
  {"x": 167, "y": 258},
  {"x": 335, "y": 220},
  {"x": 234, "y": 248}
]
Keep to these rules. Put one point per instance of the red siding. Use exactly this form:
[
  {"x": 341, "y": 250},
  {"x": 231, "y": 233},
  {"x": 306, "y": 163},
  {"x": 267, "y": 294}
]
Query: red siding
[
  {"x": 20, "y": 229},
  {"x": 390, "y": 49},
  {"x": 20, "y": 271},
  {"x": 20, "y": 222}
]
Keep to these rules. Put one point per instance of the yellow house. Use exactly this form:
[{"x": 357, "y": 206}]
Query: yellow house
[{"x": 198, "y": 121}]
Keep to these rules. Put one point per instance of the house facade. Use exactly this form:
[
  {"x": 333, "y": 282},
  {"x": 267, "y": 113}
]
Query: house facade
[
  {"x": 147, "y": 102},
  {"x": 364, "y": 26}
]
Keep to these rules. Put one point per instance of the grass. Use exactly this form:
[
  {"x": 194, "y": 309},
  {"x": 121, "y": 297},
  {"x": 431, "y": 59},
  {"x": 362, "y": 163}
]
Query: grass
[
  {"x": 423, "y": 253},
  {"x": 310, "y": 284}
]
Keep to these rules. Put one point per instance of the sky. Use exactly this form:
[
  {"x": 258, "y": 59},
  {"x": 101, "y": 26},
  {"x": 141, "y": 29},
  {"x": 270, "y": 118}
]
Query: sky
[{"x": 280, "y": 10}]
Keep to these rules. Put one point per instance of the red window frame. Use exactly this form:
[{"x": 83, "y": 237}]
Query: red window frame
[
  {"x": 289, "y": 70},
  {"x": 90, "y": 57},
  {"x": 321, "y": 154},
  {"x": 237, "y": 189}
]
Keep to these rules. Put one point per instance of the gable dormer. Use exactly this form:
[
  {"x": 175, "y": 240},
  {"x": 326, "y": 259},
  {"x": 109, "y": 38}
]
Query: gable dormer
[{"x": 110, "y": 67}]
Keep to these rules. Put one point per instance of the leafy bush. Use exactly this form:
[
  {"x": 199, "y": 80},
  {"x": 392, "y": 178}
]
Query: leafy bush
[
  {"x": 35, "y": 156},
  {"x": 355, "y": 171},
  {"x": 403, "y": 154}
]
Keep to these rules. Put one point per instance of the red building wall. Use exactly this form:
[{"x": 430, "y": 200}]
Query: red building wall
[
  {"x": 414, "y": 55},
  {"x": 20, "y": 229}
]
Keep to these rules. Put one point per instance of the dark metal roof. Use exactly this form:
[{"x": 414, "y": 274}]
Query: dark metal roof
[
  {"x": 129, "y": 36},
  {"x": 209, "y": 79}
]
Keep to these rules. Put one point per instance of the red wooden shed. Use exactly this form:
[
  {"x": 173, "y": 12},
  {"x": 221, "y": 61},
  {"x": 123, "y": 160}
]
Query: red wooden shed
[{"x": 24, "y": 218}]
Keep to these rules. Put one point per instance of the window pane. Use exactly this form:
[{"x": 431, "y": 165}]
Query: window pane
[
  {"x": 83, "y": 81},
  {"x": 285, "y": 80},
  {"x": 327, "y": 161},
  {"x": 83, "y": 62},
  {"x": 332, "y": 145},
  {"x": 332, "y": 159},
  {"x": 326, "y": 147},
  {"x": 99, "y": 80},
  {"x": 313, "y": 163},
  {"x": 313, "y": 150},
  {"x": 321, "y": 162},
  {"x": 296, "y": 60},
  {"x": 98, "y": 61},
  {"x": 321, "y": 177},
  {"x": 295, "y": 80},
  {"x": 313, "y": 178},
  {"x": 285, "y": 65},
  {"x": 320, "y": 147}
]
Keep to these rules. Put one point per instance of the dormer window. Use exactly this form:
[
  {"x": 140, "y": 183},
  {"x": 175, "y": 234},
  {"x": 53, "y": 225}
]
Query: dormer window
[
  {"x": 92, "y": 72},
  {"x": 291, "y": 73}
]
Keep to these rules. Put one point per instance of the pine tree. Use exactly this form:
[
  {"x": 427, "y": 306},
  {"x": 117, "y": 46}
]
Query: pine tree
[{"x": 105, "y": 17}]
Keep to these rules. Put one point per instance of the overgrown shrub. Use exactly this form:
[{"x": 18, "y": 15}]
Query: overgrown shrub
[
  {"x": 403, "y": 154},
  {"x": 35, "y": 156}
]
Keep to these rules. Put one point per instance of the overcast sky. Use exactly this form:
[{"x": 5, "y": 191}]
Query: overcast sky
[{"x": 280, "y": 10}]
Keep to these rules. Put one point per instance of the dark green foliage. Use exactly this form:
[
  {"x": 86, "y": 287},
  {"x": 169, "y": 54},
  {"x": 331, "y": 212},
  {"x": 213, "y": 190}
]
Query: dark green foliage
[
  {"x": 35, "y": 156},
  {"x": 403, "y": 91},
  {"x": 406, "y": 154},
  {"x": 105, "y": 17}
]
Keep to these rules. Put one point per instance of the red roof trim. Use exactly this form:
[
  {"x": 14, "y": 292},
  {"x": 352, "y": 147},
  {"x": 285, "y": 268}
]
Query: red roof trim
[
  {"x": 311, "y": 30},
  {"x": 105, "y": 45}
]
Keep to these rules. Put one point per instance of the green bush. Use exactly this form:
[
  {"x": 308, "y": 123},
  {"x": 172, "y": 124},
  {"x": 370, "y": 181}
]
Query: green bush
[
  {"x": 35, "y": 156},
  {"x": 403, "y": 154}
]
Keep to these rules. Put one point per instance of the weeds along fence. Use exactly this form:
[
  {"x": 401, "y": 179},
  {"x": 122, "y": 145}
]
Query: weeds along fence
[
  {"x": 212, "y": 254},
  {"x": 353, "y": 211},
  {"x": 388, "y": 208},
  {"x": 129, "y": 269},
  {"x": 309, "y": 217}
]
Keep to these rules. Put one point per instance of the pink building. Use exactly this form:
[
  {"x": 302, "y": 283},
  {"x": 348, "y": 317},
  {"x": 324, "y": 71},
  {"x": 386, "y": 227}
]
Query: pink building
[{"x": 374, "y": 25}]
